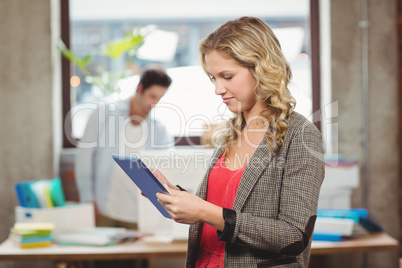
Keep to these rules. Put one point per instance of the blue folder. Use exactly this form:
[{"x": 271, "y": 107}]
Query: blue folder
[
  {"x": 327, "y": 237},
  {"x": 26, "y": 197},
  {"x": 359, "y": 215},
  {"x": 354, "y": 214},
  {"x": 143, "y": 178}
]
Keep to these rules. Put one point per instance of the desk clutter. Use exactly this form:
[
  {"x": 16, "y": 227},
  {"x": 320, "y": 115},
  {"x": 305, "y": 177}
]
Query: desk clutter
[
  {"x": 96, "y": 236},
  {"x": 40, "y": 234},
  {"x": 43, "y": 218},
  {"x": 342, "y": 224},
  {"x": 43, "y": 201},
  {"x": 342, "y": 175},
  {"x": 40, "y": 193},
  {"x": 32, "y": 235}
]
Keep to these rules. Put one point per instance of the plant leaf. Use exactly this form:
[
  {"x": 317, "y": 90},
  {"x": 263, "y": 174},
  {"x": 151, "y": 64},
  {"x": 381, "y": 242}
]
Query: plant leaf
[
  {"x": 68, "y": 54},
  {"x": 115, "y": 49}
]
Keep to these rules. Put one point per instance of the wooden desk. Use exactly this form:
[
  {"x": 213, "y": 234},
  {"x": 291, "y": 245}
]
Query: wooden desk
[
  {"x": 372, "y": 242},
  {"x": 149, "y": 248}
]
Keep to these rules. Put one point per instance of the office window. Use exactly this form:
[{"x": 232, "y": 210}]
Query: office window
[{"x": 190, "y": 102}]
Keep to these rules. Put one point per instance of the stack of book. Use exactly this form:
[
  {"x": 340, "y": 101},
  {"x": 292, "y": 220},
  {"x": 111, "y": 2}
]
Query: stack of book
[
  {"x": 32, "y": 234},
  {"x": 341, "y": 224}
]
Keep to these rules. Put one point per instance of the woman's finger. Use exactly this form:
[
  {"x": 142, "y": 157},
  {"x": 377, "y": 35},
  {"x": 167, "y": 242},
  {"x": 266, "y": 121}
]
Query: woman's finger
[{"x": 162, "y": 197}]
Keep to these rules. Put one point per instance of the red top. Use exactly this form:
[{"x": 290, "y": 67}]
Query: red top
[{"x": 222, "y": 188}]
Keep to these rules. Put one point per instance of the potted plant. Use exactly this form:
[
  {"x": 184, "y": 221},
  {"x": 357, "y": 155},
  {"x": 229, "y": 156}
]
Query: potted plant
[{"x": 106, "y": 81}]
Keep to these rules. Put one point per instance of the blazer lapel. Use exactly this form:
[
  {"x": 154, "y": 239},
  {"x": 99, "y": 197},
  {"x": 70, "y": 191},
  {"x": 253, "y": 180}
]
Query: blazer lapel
[{"x": 258, "y": 163}]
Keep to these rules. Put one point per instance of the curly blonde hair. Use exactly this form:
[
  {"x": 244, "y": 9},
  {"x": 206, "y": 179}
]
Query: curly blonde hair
[{"x": 252, "y": 43}]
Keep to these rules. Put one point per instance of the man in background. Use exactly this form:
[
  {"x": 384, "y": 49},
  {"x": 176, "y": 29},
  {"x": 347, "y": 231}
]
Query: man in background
[{"x": 125, "y": 128}]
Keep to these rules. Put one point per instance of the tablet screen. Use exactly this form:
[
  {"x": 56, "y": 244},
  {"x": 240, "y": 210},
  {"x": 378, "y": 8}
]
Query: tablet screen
[{"x": 145, "y": 180}]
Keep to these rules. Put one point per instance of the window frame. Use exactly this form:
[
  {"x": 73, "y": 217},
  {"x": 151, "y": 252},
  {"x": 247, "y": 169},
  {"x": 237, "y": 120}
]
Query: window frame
[{"x": 180, "y": 141}]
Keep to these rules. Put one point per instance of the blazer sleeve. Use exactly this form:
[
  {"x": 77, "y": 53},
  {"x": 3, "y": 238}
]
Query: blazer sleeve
[
  {"x": 84, "y": 162},
  {"x": 291, "y": 231}
]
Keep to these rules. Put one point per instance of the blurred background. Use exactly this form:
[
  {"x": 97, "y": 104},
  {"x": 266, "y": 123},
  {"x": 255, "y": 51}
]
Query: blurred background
[
  {"x": 179, "y": 26},
  {"x": 345, "y": 57}
]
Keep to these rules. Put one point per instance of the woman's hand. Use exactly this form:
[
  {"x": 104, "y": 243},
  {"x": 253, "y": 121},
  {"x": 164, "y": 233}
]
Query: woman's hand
[
  {"x": 162, "y": 178},
  {"x": 187, "y": 208},
  {"x": 182, "y": 206}
]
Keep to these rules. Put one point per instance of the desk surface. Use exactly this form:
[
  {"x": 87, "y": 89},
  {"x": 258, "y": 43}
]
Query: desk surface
[
  {"x": 372, "y": 242},
  {"x": 146, "y": 248},
  {"x": 149, "y": 248}
]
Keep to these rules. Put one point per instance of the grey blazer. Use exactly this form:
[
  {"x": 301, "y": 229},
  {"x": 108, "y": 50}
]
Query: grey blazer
[{"x": 275, "y": 204}]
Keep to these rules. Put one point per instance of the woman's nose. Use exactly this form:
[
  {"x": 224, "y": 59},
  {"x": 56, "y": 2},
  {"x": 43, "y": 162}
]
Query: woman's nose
[{"x": 219, "y": 88}]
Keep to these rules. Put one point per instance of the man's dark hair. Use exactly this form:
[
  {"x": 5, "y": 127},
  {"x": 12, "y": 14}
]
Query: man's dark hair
[{"x": 152, "y": 77}]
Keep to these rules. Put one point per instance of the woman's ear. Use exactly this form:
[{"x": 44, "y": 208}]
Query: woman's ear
[{"x": 139, "y": 88}]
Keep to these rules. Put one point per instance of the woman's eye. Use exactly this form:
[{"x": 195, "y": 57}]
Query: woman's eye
[
  {"x": 228, "y": 78},
  {"x": 212, "y": 79}
]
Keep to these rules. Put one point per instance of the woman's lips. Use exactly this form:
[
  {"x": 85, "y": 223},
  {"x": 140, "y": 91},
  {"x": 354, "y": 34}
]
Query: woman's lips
[{"x": 227, "y": 100}]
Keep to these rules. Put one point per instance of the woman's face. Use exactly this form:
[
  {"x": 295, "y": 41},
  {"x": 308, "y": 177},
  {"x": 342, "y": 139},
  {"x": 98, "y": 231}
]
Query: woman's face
[{"x": 233, "y": 82}]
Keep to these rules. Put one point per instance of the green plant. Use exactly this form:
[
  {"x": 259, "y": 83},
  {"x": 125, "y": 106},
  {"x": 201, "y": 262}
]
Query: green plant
[{"x": 107, "y": 80}]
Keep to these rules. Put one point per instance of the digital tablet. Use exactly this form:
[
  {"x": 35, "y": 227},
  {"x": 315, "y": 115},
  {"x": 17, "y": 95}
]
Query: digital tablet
[{"x": 139, "y": 173}]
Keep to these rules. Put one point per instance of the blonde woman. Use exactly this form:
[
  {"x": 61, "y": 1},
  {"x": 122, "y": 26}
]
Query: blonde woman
[{"x": 256, "y": 206}]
